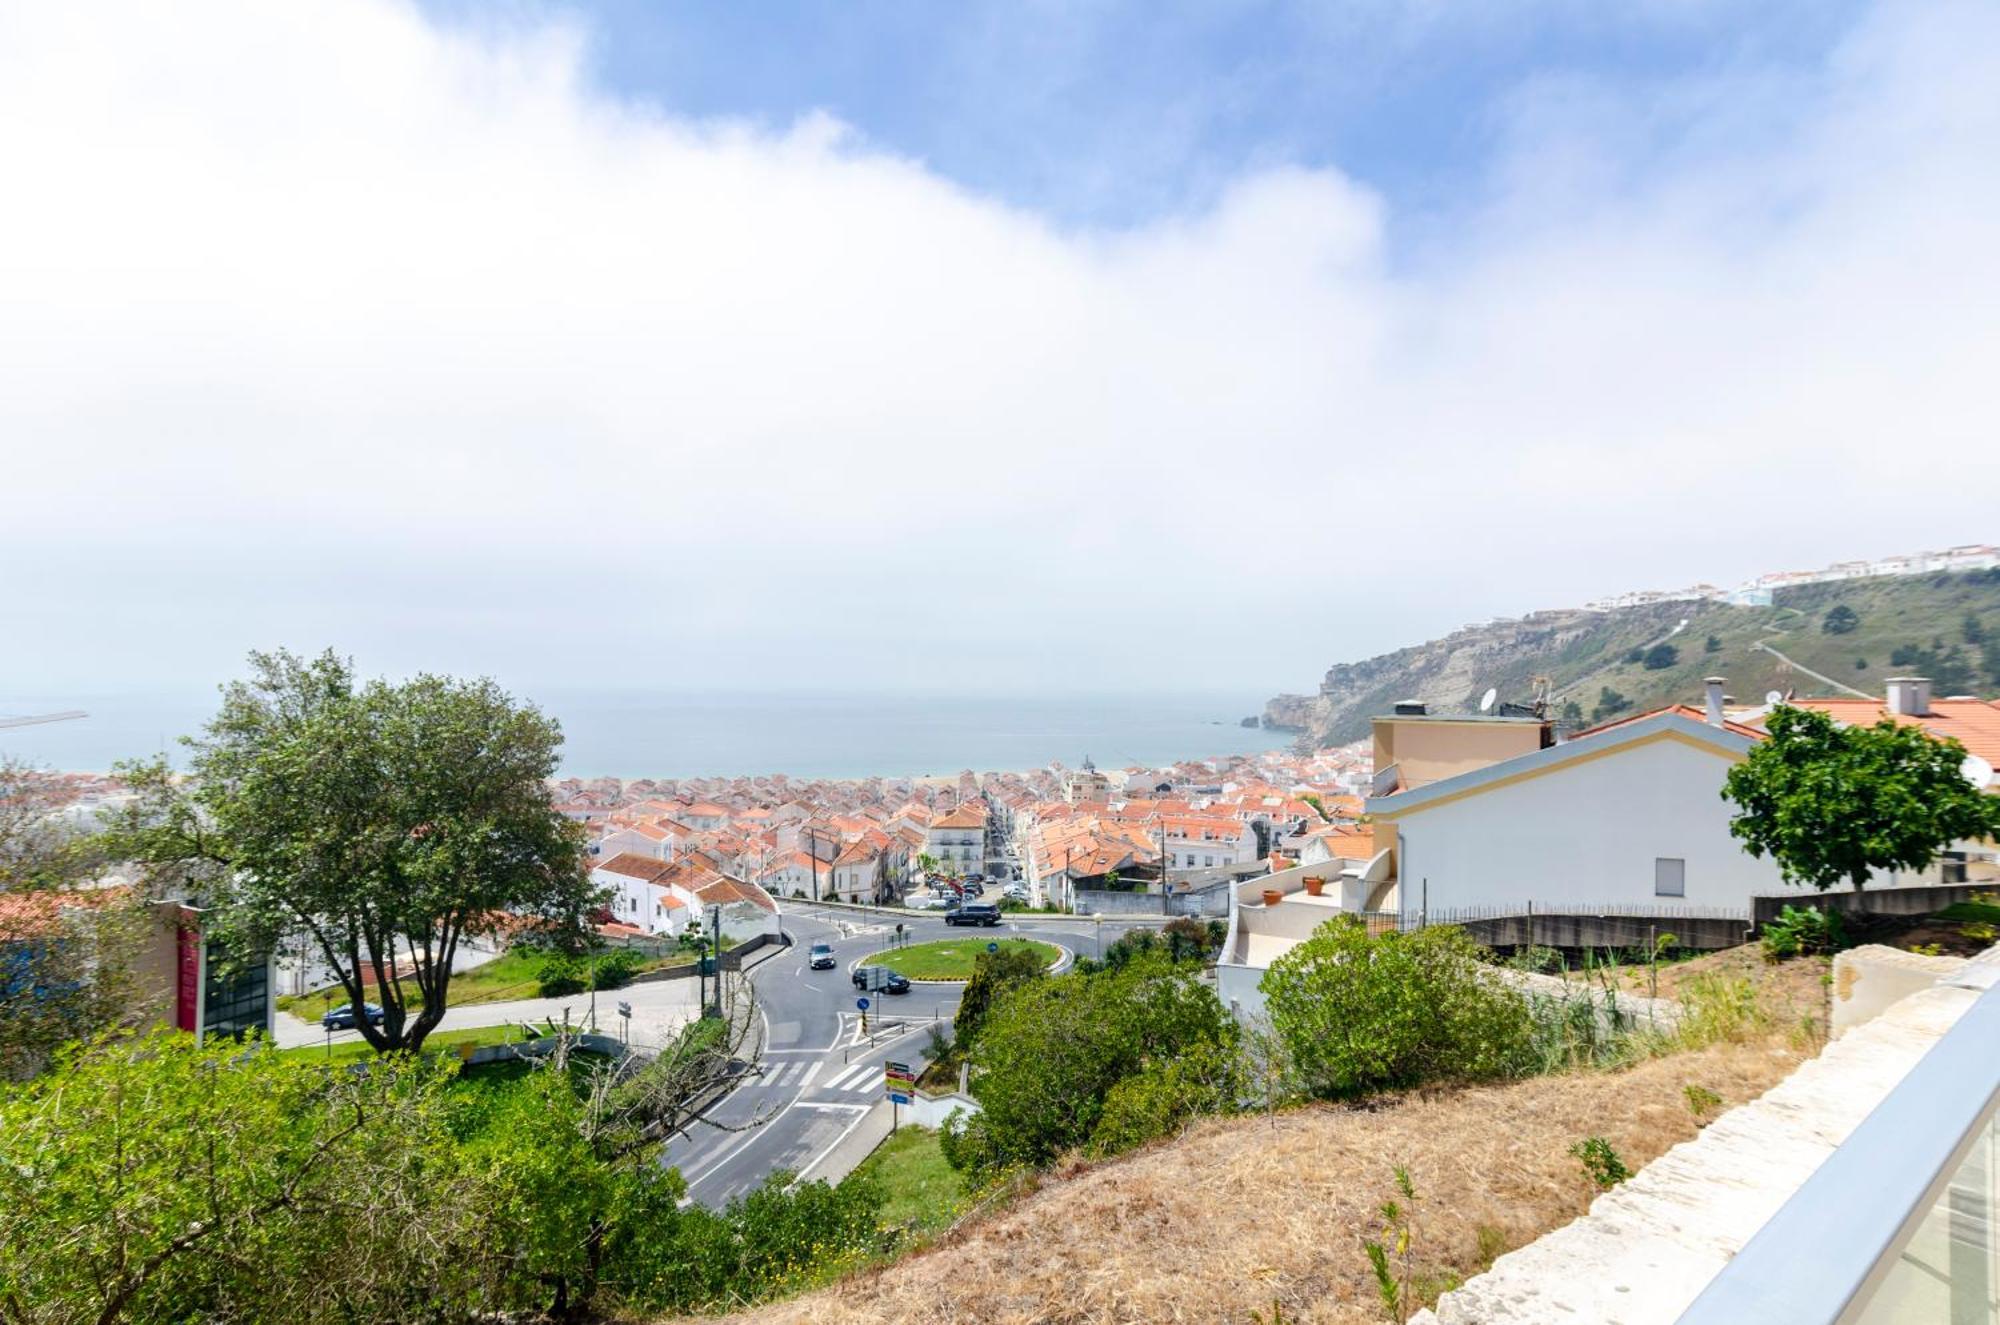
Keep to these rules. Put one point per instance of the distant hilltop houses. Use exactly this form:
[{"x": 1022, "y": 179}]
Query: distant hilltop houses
[{"x": 1757, "y": 592}]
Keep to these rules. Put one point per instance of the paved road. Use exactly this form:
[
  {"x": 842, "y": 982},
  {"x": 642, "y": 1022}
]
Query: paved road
[{"x": 820, "y": 1073}]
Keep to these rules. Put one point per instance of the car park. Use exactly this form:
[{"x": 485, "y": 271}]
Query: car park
[
  {"x": 821, "y": 958},
  {"x": 973, "y": 913},
  {"x": 342, "y": 1018}
]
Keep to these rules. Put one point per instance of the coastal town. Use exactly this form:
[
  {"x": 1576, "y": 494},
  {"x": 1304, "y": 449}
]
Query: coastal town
[{"x": 663, "y": 846}]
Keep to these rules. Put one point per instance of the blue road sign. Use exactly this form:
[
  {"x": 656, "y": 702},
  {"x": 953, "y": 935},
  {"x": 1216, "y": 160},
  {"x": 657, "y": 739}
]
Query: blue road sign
[
  {"x": 992, "y": 947},
  {"x": 861, "y": 1003}
]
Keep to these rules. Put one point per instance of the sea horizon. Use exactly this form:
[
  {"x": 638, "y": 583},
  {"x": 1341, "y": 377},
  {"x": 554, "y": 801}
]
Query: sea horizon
[{"x": 630, "y": 733}]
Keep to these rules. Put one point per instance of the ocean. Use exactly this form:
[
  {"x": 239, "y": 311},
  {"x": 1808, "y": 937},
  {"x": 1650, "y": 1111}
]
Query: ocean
[{"x": 636, "y": 734}]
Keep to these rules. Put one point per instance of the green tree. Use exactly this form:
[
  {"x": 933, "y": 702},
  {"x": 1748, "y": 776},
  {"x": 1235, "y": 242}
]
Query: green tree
[
  {"x": 382, "y": 822},
  {"x": 1609, "y": 702},
  {"x": 1713, "y": 644},
  {"x": 1660, "y": 657},
  {"x": 1053, "y": 1053},
  {"x": 1840, "y": 619},
  {"x": 1973, "y": 630},
  {"x": 993, "y": 975},
  {"x": 1832, "y": 803},
  {"x": 1360, "y": 1013}
]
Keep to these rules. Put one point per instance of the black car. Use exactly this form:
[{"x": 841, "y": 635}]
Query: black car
[
  {"x": 973, "y": 913},
  {"x": 342, "y": 1018},
  {"x": 891, "y": 982}
]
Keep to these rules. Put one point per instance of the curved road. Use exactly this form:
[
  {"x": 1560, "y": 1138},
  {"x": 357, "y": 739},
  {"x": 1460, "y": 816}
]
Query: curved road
[{"x": 819, "y": 1074}]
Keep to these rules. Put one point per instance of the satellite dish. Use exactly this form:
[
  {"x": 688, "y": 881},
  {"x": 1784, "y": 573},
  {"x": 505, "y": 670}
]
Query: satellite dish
[
  {"x": 1486, "y": 700},
  {"x": 1774, "y": 697},
  {"x": 1977, "y": 771}
]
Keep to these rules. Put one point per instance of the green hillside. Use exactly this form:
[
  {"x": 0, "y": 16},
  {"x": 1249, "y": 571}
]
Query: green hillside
[{"x": 1817, "y": 639}]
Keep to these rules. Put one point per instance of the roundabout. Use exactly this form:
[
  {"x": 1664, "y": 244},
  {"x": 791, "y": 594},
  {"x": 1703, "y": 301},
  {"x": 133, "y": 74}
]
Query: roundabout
[{"x": 954, "y": 959}]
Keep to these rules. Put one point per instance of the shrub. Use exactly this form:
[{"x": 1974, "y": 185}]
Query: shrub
[
  {"x": 993, "y": 975},
  {"x": 1840, "y": 619},
  {"x": 1601, "y": 1163},
  {"x": 616, "y": 968},
  {"x": 1359, "y": 1014},
  {"x": 1716, "y": 1008},
  {"x": 1660, "y": 657},
  {"x": 559, "y": 976},
  {"x": 1052, "y": 1053},
  {"x": 1801, "y": 930},
  {"x": 1700, "y": 1099}
]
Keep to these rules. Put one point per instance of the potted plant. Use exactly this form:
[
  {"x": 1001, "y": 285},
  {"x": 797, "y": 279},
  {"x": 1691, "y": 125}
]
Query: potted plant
[
  {"x": 1315, "y": 885},
  {"x": 1272, "y": 896}
]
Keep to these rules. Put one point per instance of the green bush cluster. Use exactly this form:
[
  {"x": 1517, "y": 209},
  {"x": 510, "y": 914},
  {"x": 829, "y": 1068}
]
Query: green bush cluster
[
  {"x": 154, "y": 1180},
  {"x": 1184, "y": 939},
  {"x": 1803, "y": 931},
  {"x": 1360, "y": 1013},
  {"x": 1098, "y": 1060},
  {"x": 562, "y": 974}
]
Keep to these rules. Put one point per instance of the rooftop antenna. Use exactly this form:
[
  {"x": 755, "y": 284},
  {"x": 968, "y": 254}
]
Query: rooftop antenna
[{"x": 1486, "y": 700}]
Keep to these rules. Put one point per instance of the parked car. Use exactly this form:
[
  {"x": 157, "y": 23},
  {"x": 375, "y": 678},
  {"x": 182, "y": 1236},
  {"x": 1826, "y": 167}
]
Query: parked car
[
  {"x": 973, "y": 913},
  {"x": 975, "y": 888},
  {"x": 342, "y": 1017},
  {"x": 975, "y": 878},
  {"x": 821, "y": 957}
]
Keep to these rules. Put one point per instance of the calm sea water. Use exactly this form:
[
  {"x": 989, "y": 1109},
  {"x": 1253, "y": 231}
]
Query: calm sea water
[{"x": 628, "y": 734}]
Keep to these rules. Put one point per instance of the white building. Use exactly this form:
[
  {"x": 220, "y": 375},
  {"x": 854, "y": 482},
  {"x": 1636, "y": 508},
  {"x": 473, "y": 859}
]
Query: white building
[{"x": 639, "y": 896}]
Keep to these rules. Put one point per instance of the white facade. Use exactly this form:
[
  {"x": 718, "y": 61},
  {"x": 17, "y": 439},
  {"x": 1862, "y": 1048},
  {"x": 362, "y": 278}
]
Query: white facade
[
  {"x": 1638, "y": 821},
  {"x": 639, "y": 902}
]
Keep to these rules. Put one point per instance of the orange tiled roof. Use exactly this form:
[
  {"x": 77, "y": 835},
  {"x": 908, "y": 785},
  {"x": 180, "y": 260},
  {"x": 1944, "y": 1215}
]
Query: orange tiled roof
[{"x": 1973, "y": 723}]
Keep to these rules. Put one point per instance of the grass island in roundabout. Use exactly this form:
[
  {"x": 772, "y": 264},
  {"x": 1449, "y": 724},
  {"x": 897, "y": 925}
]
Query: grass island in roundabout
[{"x": 953, "y": 959}]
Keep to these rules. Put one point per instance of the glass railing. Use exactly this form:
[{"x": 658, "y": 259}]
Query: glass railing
[{"x": 1898, "y": 1226}]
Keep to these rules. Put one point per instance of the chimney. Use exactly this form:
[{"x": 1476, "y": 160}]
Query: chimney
[
  {"x": 1714, "y": 686},
  {"x": 1909, "y": 696},
  {"x": 1409, "y": 708}
]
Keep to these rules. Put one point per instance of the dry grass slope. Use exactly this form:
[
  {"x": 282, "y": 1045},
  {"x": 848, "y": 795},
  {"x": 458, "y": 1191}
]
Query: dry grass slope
[{"x": 1243, "y": 1212}]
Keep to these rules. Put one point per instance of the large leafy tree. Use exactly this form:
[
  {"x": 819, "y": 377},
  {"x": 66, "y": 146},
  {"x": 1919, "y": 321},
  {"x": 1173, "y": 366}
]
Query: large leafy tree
[
  {"x": 380, "y": 822},
  {"x": 1835, "y": 804}
]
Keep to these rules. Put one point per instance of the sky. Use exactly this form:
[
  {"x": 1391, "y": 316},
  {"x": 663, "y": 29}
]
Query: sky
[{"x": 1016, "y": 347}]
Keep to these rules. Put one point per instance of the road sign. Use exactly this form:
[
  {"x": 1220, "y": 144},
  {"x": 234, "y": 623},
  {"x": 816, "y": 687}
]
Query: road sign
[
  {"x": 992, "y": 947},
  {"x": 900, "y": 1082},
  {"x": 861, "y": 1003}
]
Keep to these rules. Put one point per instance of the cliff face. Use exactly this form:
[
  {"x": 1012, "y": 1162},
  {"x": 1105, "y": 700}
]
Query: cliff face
[
  {"x": 1942, "y": 625},
  {"x": 1450, "y": 674}
]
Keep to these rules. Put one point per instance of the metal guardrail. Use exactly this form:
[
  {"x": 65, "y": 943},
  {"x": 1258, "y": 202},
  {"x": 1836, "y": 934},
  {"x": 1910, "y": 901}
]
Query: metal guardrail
[{"x": 1822, "y": 1257}]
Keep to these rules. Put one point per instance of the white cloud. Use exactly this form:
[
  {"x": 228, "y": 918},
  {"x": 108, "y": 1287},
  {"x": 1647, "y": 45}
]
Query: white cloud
[{"x": 322, "y": 325}]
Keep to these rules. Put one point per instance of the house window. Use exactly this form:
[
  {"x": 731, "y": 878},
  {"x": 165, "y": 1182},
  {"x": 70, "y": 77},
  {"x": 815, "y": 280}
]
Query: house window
[{"x": 1669, "y": 877}]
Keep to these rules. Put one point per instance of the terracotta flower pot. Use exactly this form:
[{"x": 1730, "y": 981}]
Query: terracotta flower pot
[
  {"x": 1272, "y": 897},
  {"x": 1314, "y": 885}
]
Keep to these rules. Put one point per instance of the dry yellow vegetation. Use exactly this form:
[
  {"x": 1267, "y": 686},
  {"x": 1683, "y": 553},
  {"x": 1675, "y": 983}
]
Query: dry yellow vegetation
[{"x": 1240, "y": 1213}]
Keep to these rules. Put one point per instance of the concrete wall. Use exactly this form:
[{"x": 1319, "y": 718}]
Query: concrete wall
[
  {"x": 1428, "y": 750},
  {"x": 1868, "y": 980},
  {"x": 1210, "y": 903},
  {"x": 1584, "y": 837},
  {"x": 1919, "y": 900}
]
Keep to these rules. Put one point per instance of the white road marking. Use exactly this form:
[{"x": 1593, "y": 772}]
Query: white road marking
[
  {"x": 812, "y": 1070},
  {"x": 852, "y": 1074}
]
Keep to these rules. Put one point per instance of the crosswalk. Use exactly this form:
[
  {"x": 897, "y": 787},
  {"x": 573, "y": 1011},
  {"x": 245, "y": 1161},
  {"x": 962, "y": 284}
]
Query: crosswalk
[{"x": 846, "y": 1079}]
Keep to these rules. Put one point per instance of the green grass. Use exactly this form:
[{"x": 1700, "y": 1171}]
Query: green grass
[
  {"x": 512, "y": 975},
  {"x": 1973, "y": 912},
  {"x": 919, "y": 1189},
  {"x": 951, "y": 959},
  {"x": 438, "y": 1042}
]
